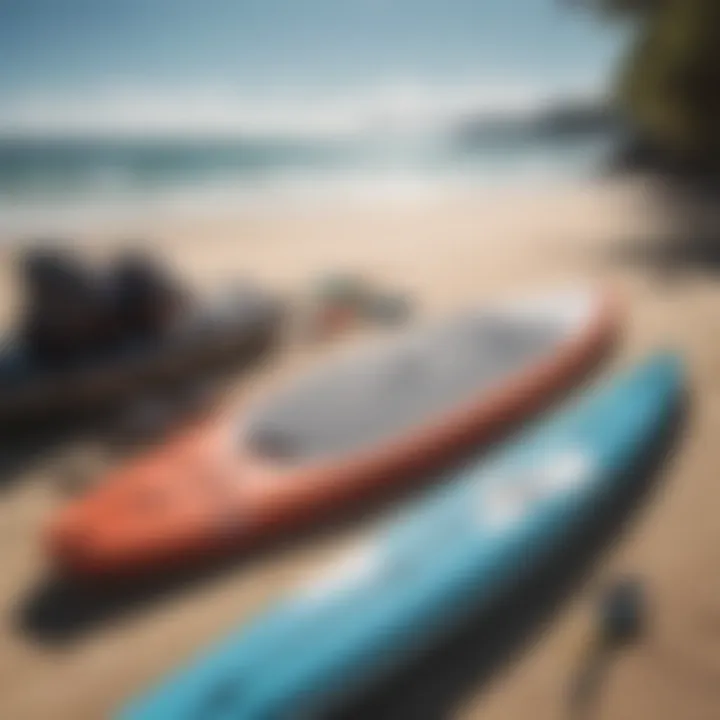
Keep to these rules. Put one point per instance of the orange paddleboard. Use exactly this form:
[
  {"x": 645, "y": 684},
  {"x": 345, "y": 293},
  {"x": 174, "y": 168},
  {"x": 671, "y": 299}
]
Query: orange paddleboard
[{"x": 369, "y": 421}]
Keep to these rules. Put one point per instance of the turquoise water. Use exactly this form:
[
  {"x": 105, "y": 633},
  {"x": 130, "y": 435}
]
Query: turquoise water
[
  {"x": 44, "y": 179},
  {"x": 39, "y": 168}
]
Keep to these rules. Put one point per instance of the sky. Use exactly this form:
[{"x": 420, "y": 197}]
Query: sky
[{"x": 153, "y": 60}]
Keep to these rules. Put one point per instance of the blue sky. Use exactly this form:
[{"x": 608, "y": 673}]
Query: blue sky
[
  {"x": 71, "y": 42},
  {"x": 65, "y": 48}
]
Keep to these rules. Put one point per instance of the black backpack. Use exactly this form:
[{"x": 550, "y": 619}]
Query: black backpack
[
  {"x": 64, "y": 304},
  {"x": 147, "y": 300}
]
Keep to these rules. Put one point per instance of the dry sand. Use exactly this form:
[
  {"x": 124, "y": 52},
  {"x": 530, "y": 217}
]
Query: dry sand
[{"x": 448, "y": 251}]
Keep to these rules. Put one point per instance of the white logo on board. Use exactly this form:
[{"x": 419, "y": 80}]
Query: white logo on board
[
  {"x": 510, "y": 498},
  {"x": 347, "y": 572}
]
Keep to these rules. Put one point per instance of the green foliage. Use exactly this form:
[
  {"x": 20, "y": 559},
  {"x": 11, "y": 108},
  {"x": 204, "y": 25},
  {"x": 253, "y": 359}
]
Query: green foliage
[
  {"x": 620, "y": 7},
  {"x": 670, "y": 84},
  {"x": 631, "y": 7}
]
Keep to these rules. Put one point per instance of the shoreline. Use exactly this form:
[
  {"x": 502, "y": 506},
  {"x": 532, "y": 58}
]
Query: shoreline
[{"x": 24, "y": 216}]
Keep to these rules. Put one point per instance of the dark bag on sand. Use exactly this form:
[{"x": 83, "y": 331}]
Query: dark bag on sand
[
  {"x": 65, "y": 314},
  {"x": 147, "y": 300}
]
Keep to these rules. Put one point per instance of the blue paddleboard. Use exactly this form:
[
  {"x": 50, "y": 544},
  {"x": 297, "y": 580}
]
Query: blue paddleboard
[{"x": 449, "y": 555}]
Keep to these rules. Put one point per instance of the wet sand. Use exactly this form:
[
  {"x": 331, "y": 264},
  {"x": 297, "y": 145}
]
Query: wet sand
[{"x": 447, "y": 252}]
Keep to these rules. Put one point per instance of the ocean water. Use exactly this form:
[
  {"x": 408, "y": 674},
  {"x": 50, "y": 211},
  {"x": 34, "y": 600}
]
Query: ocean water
[
  {"x": 48, "y": 181},
  {"x": 122, "y": 108}
]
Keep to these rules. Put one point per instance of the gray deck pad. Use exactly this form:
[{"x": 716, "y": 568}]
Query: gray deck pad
[{"x": 384, "y": 394}]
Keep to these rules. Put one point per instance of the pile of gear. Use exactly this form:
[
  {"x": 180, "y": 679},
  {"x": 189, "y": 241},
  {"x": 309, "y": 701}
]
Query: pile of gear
[{"x": 73, "y": 311}]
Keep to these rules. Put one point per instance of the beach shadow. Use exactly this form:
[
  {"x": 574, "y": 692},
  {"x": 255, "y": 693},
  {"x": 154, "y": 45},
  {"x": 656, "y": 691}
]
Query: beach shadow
[
  {"x": 33, "y": 442},
  {"x": 433, "y": 684},
  {"x": 587, "y": 684},
  {"x": 32, "y": 446},
  {"x": 672, "y": 257},
  {"x": 42, "y": 444},
  {"x": 689, "y": 242}
]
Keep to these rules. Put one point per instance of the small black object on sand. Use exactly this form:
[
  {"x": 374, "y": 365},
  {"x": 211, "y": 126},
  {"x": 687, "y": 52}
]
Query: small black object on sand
[
  {"x": 623, "y": 612},
  {"x": 621, "y": 620}
]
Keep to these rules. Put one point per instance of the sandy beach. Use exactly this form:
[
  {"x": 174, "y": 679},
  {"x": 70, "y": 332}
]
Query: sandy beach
[{"x": 447, "y": 250}]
